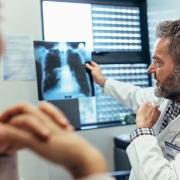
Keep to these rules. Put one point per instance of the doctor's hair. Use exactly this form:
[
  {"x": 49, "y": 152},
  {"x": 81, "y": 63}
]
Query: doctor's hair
[{"x": 171, "y": 30}]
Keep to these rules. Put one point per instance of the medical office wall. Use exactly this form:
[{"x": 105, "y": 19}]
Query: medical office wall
[{"x": 24, "y": 17}]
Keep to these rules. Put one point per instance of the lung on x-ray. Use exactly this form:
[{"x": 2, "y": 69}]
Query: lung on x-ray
[{"x": 61, "y": 71}]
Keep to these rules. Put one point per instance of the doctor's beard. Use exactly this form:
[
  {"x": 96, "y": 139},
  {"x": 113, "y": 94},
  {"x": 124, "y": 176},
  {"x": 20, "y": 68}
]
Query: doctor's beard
[{"x": 170, "y": 88}]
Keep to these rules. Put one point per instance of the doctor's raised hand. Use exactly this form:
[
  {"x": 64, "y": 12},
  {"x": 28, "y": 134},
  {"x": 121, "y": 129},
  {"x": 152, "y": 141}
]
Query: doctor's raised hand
[
  {"x": 96, "y": 73},
  {"x": 147, "y": 115}
]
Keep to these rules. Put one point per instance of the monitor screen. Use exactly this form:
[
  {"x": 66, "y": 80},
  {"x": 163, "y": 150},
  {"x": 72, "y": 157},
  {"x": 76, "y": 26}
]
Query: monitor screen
[{"x": 114, "y": 33}]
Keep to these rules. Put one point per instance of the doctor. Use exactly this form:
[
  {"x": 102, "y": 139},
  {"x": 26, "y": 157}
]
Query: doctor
[{"x": 155, "y": 144}]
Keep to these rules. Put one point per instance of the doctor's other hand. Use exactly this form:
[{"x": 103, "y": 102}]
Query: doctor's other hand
[
  {"x": 96, "y": 73},
  {"x": 147, "y": 115}
]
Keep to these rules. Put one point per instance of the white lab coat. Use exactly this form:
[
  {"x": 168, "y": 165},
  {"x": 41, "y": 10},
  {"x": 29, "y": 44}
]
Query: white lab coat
[{"x": 146, "y": 153}]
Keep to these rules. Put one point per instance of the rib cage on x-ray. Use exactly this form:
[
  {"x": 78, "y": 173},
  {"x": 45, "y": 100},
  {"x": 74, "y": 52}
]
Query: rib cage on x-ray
[
  {"x": 64, "y": 75},
  {"x": 52, "y": 62}
]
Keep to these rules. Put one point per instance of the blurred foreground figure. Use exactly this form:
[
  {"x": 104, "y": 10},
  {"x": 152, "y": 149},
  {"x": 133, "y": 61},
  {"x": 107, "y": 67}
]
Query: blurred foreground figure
[{"x": 46, "y": 131}]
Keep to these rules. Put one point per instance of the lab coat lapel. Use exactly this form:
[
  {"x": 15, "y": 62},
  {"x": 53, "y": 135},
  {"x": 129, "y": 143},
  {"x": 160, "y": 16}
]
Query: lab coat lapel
[
  {"x": 163, "y": 109},
  {"x": 170, "y": 131}
]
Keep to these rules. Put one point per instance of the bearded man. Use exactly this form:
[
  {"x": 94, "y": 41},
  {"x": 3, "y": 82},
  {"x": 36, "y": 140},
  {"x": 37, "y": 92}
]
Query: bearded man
[{"x": 155, "y": 144}]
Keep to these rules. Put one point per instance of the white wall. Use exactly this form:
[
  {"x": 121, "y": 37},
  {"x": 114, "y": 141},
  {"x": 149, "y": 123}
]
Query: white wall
[{"x": 23, "y": 16}]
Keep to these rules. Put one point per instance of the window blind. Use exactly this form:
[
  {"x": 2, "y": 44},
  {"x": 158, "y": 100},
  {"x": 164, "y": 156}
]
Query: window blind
[{"x": 116, "y": 28}]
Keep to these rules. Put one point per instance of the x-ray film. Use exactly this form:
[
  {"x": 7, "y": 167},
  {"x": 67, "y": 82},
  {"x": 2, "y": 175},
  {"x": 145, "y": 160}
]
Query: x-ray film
[{"x": 61, "y": 71}]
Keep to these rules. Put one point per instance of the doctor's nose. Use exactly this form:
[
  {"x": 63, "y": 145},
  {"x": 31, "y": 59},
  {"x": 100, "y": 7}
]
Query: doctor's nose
[{"x": 152, "y": 68}]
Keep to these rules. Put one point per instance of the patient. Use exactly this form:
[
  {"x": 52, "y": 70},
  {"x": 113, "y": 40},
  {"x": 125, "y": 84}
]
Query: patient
[{"x": 45, "y": 130}]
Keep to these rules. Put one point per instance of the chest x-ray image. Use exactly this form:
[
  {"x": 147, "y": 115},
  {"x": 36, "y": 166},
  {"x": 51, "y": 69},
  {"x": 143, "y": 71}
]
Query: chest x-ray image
[{"x": 61, "y": 71}]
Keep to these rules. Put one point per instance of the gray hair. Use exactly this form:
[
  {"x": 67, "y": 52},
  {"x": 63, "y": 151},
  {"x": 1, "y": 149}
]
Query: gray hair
[{"x": 171, "y": 30}]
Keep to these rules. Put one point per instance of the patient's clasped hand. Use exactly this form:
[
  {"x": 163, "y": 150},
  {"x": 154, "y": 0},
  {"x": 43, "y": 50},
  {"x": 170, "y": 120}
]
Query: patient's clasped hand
[{"x": 45, "y": 130}]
